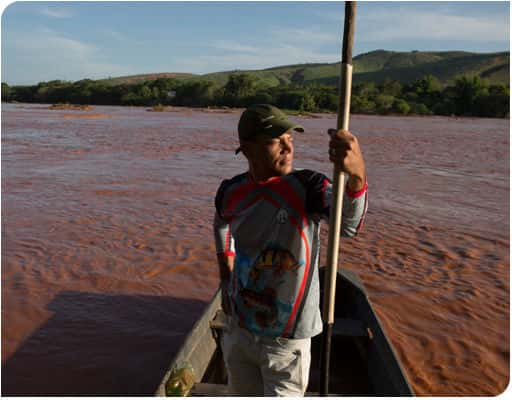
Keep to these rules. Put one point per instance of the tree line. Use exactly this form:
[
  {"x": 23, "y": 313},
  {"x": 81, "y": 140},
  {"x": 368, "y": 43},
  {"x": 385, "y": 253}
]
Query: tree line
[{"x": 467, "y": 96}]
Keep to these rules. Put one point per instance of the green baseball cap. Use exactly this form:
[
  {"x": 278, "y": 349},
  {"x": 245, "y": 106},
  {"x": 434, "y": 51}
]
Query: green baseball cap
[{"x": 264, "y": 120}]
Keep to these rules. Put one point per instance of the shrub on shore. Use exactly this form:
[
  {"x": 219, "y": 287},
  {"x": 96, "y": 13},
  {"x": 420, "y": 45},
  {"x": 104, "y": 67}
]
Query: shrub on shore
[
  {"x": 158, "y": 108},
  {"x": 68, "y": 106}
]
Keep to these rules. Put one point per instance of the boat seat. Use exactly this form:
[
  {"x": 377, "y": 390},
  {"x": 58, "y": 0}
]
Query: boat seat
[
  {"x": 220, "y": 321},
  {"x": 350, "y": 327}
]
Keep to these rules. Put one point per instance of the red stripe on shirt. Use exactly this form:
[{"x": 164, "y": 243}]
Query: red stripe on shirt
[
  {"x": 227, "y": 248},
  {"x": 325, "y": 184},
  {"x": 253, "y": 201},
  {"x": 355, "y": 195},
  {"x": 238, "y": 195},
  {"x": 300, "y": 295},
  {"x": 286, "y": 191},
  {"x": 361, "y": 221}
]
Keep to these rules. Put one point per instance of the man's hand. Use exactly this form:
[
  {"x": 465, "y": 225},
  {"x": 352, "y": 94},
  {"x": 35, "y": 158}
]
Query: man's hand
[{"x": 344, "y": 151}]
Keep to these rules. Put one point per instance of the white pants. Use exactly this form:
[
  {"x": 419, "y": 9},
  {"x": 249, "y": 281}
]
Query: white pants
[{"x": 263, "y": 366}]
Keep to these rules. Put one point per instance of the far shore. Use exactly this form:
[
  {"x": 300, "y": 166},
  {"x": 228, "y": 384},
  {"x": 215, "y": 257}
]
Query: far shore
[{"x": 227, "y": 110}]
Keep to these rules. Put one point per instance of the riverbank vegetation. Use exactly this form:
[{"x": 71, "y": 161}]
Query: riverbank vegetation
[{"x": 467, "y": 96}]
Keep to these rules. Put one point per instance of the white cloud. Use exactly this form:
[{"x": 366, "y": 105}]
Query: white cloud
[
  {"x": 283, "y": 46},
  {"x": 234, "y": 47},
  {"x": 381, "y": 25},
  {"x": 304, "y": 36},
  {"x": 259, "y": 58},
  {"x": 50, "y": 41},
  {"x": 56, "y": 12},
  {"x": 331, "y": 16},
  {"x": 281, "y": 42},
  {"x": 47, "y": 55},
  {"x": 112, "y": 34}
]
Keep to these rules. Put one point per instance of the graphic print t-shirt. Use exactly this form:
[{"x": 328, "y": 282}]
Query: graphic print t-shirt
[{"x": 272, "y": 229}]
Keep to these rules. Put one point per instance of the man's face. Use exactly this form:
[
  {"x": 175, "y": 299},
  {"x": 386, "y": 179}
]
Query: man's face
[{"x": 271, "y": 156}]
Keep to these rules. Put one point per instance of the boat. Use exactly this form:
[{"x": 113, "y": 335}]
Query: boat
[{"x": 363, "y": 360}]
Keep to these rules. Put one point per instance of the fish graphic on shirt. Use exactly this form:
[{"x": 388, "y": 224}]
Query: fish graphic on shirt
[
  {"x": 263, "y": 304},
  {"x": 277, "y": 260}
]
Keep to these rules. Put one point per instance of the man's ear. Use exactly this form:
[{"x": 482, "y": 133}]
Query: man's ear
[{"x": 245, "y": 149}]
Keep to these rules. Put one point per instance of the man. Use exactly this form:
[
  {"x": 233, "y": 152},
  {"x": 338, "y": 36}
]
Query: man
[{"x": 267, "y": 237}]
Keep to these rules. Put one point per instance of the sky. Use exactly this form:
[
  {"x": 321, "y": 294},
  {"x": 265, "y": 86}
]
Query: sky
[{"x": 43, "y": 41}]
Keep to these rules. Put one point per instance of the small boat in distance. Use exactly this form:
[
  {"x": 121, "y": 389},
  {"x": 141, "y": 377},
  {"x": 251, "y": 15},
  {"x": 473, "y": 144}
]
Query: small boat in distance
[{"x": 363, "y": 361}]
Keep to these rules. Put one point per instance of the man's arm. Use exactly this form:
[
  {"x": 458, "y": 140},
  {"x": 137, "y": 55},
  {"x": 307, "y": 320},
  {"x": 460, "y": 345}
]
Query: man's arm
[
  {"x": 345, "y": 151},
  {"x": 225, "y": 246},
  {"x": 355, "y": 205},
  {"x": 226, "y": 264}
]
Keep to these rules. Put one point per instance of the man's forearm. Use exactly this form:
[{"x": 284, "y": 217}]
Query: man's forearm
[
  {"x": 356, "y": 183},
  {"x": 226, "y": 264}
]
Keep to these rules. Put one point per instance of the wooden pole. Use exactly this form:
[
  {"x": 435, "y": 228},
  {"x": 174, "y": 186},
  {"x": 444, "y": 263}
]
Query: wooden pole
[{"x": 338, "y": 184}]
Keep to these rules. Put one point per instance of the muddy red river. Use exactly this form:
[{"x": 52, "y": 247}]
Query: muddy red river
[{"x": 108, "y": 256}]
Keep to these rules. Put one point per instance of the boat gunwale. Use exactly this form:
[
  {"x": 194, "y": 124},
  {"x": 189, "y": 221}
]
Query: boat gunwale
[{"x": 191, "y": 342}]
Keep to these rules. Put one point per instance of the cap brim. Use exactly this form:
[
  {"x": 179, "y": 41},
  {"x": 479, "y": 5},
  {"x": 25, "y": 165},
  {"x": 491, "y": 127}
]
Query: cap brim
[
  {"x": 282, "y": 126},
  {"x": 278, "y": 128}
]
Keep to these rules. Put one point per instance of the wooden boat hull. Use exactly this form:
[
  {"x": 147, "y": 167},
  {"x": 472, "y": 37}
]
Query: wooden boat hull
[{"x": 363, "y": 361}]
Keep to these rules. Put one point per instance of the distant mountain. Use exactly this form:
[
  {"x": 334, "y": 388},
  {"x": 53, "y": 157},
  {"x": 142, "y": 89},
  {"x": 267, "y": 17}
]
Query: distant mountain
[
  {"x": 374, "y": 66},
  {"x": 145, "y": 77},
  {"x": 445, "y": 66}
]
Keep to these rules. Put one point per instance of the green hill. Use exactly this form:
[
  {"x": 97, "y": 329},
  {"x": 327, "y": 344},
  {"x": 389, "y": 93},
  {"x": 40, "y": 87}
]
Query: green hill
[
  {"x": 445, "y": 66},
  {"x": 145, "y": 77},
  {"x": 375, "y": 66}
]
